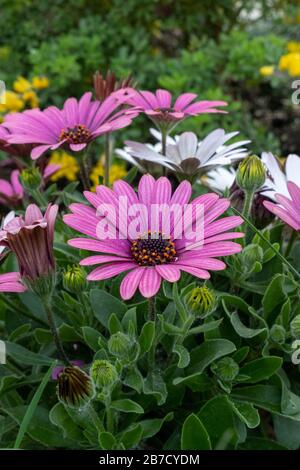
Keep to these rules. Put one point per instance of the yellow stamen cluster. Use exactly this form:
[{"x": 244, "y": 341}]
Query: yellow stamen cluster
[
  {"x": 152, "y": 249},
  {"x": 76, "y": 135}
]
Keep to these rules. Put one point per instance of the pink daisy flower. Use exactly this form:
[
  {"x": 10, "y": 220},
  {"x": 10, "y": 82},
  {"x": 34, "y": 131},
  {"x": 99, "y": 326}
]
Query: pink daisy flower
[
  {"x": 164, "y": 113},
  {"x": 77, "y": 124},
  {"x": 31, "y": 239},
  {"x": 287, "y": 209},
  {"x": 148, "y": 260},
  {"x": 11, "y": 282},
  {"x": 11, "y": 193}
]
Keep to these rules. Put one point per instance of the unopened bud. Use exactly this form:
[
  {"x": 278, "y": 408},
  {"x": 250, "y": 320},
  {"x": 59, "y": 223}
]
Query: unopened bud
[
  {"x": 31, "y": 178},
  {"x": 295, "y": 327},
  {"x": 120, "y": 345},
  {"x": 103, "y": 373},
  {"x": 226, "y": 369},
  {"x": 74, "y": 279},
  {"x": 201, "y": 301},
  {"x": 251, "y": 174},
  {"x": 277, "y": 334}
]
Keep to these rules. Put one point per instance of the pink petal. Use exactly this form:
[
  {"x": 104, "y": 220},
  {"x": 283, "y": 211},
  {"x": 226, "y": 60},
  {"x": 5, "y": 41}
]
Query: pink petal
[
  {"x": 106, "y": 272},
  {"x": 150, "y": 282},
  {"x": 130, "y": 283},
  {"x": 117, "y": 247},
  {"x": 162, "y": 191},
  {"x": 146, "y": 189},
  {"x": 33, "y": 214},
  {"x": 10, "y": 277},
  {"x": 100, "y": 259},
  {"x": 183, "y": 100},
  {"x": 182, "y": 193},
  {"x": 164, "y": 98},
  {"x": 15, "y": 181},
  {"x": 201, "y": 273},
  {"x": 39, "y": 150},
  {"x": 168, "y": 272},
  {"x": 77, "y": 147}
]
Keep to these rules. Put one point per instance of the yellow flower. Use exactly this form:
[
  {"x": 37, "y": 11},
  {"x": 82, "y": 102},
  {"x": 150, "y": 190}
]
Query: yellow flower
[
  {"x": 267, "y": 70},
  {"x": 293, "y": 46},
  {"x": 69, "y": 166},
  {"x": 31, "y": 98},
  {"x": 4, "y": 52},
  {"x": 117, "y": 172},
  {"x": 12, "y": 102},
  {"x": 21, "y": 85},
  {"x": 291, "y": 63},
  {"x": 39, "y": 83}
]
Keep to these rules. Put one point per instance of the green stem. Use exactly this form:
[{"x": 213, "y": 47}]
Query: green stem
[
  {"x": 282, "y": 258},
  {"x": 247, "y": 213},
  {"x": 39, "y": 197},
  {"x": 290, "y": 243},
  {"x": 54, "y": 332},
  {"x": 110, "y": 421},
  {"x": 84, "y": 172},
  {"x": 151, "y": 309},
  {"x": 107, "y": 160}
]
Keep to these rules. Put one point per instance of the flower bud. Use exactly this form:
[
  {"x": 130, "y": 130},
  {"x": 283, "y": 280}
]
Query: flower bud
[
  {"x": 201, "y": 301},
  {"x": 31, "y": 178},
  {"x": 251, "y": 174},
  {"x": 74, "y": 279},
  {"x": 295, "y": 326},
  {"x": 75, "y": 388},
  {"x": 119, "y": 345},
  {"x": 103, "y": 373},
  {"x": 277, "y": 334},
  {"x": 226, "y": 369}
]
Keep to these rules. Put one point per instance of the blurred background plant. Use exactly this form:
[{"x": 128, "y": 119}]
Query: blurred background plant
[{"x": 244, "y": 52}]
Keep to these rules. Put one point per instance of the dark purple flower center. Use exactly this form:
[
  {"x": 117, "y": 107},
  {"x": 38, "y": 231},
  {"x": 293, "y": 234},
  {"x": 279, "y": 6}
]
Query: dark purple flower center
[
  {"x": 76, "y": 135},
  {"x": 153, "y": 249}
]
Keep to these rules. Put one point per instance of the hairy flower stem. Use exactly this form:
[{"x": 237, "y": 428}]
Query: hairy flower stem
[
  {"x": 38, "y": 197},
  {"x": 107, "y": 159},
  {"x": 151, "y": 309},
  {"x": 54, "y": 332},
  {"x": 84, "y": 173},
  {"x": 246, "y": 213},
  {"x": 110, "y": 420}
]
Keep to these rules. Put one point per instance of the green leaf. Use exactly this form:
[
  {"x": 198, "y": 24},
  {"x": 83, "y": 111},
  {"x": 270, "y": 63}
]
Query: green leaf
[
  {"x": 179, "y": 304},
  {"x": 24, "y": 356},
  {"x": 32, "y": 407},
  {"x": 150, "y": 427},
  {"x": 20, "y": 332},
  {"x": 147, "y": 336},
  {"x": 260, "y": 369},
  {"x": 155, "y": 385},
  {"x": 106, "y": 440},
  {"x": 104, "y": 305},
  {"x": 114, "y": 324},
  {"x": 60, "y": 418},
  {"x": 132, "y": 436},
  {"x": 127, "y": 406},
  {"x": 129, "y": 321},
  {"x": 276, "y": 294},
  {"x": 219, "y": 420},
  {"x": 194, "y": 436},
  {"x": 208, "y": 352},
  {"x": 183, "y": 356},
  {"x": 267, "y": 397},
  {"x": 241, "y": 354},
  {"x": 257, "y": 443},
  {"x": 247, "y": 413},
  {"x": 208, "y": 326},
  {"x": 131, "y": 175},
  {"x": 134, "y": 379},
  {"x": 91, "y": 337}
]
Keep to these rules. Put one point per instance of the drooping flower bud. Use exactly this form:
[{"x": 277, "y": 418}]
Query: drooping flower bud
[
  {"x": 75, "y": 388},
  {"x": 201, "y": 301},
  {"x": 251, "y": 174},
  {"x": 31, "y": 178},
  {"x": 74, "y": 279},
  {"x": 120, "y": 345},
  {"x": 226, "y": 369},
  {"x": 103, "y": 373},
  {"x": 295, "y": 327}
]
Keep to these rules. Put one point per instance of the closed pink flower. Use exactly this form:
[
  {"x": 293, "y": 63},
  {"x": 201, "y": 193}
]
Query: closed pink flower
[
  {"x": 31, "y": 239},
  {"x": 11, "y": 193},
  {"x": 287, "y": 209},
  {"x": 149, "y": 260},
  {"x": 159, "y": 106},
  {"x": 11, "y": 282},
  {"x": 73, "y": 127}
]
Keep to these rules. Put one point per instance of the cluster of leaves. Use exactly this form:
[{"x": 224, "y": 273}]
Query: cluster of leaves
[{"x": 223, "y": 379}]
